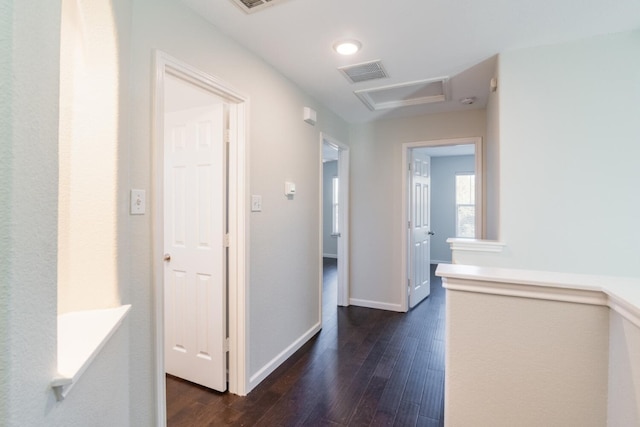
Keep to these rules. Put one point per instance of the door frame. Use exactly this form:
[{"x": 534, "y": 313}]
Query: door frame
[
  {"x": 343, "y": 218},
  {"x": 238, "y": 231},
  {"x": 405, "y": 214}
]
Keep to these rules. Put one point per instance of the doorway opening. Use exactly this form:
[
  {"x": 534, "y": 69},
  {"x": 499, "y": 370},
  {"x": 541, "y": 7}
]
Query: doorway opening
[
  {"x": 199, "y": 196},
  {"x": 431, "y": 212},
  {"x": 334, "y": 224}
]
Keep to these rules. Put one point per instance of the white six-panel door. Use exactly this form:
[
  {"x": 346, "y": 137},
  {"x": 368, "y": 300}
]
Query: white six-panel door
[
  {"x": 194, "y": 230},
  {"x": 420, "y": 228}
]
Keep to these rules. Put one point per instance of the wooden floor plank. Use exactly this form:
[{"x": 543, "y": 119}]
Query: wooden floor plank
[{"x": 366, "y": 367}]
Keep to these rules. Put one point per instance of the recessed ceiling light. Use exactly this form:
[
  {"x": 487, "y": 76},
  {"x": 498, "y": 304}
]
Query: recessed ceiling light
[{"x": 347, "y": 47}]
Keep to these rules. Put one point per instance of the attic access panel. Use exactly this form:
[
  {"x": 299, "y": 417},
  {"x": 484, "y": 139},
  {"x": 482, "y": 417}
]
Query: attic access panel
[
  {"x": 250, "y": 6},
  {"x": 405, "y": 94}
]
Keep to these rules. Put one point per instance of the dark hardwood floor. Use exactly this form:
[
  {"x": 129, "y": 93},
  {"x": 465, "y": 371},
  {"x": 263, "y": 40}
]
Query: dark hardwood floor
[{"x": 365, "y": 368}]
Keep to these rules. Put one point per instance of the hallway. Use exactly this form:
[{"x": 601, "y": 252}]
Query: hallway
[{"x": 366, "y": 367}]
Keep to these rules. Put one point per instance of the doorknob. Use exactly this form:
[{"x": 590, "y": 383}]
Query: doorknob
[
  {"x": 431, "y": 233},
  {"x": 167, "y": 257}
]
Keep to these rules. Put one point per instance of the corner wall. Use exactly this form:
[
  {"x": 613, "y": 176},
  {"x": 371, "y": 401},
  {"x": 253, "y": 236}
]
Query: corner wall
[
  {"x": 624, "y": 372},
  {"x": 569, "y": 132}
]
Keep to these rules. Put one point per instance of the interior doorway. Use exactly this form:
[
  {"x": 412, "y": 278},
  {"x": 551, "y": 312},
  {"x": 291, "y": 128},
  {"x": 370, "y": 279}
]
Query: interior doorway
[
  {"x": 422, "y": 237},
  {"x": 218, "y": 190},
  {"x": 195, "y": 225},
  {"x": 334, "y": 224}
]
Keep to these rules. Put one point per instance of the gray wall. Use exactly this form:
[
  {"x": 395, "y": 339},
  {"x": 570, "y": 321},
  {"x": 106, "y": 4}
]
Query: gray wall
[
  {"x": 443, "y": 202},
  {"x": 329, "y": 242},
  {"x": 376, "y": 200}
]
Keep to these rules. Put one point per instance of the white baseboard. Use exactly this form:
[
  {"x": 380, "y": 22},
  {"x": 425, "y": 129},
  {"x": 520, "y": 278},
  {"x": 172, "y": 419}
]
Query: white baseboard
[
  {"x": 334, "y": 256},
  {"x": 264, "y": 372},
  {"x": 376, "y": 304},
  {"x": 440, "y": 261}
]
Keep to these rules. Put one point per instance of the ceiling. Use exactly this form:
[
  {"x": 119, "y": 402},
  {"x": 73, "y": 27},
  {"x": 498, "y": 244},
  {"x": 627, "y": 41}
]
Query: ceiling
[{"x": 415, "y": 40}]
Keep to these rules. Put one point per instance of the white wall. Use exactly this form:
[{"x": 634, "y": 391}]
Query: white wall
[
  {"x": 376, "y": 179},
  {"x": 283, "y": 297},
  {"x": 624, "y": 372},
  {"x": 30, "y": 43},
  {"x": 569, "y": 153},
  {"x": 443, "y": 202},
  {"x": 527, "y": 357},
  {"x": 329, "y": 242}
]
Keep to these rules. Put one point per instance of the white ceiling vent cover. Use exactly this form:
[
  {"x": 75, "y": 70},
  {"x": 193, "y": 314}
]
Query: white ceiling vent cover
[
  {"x": 251, "y": 6},
  {"x": 405, "y": 94},
  {"x": 364, "y": 72}
]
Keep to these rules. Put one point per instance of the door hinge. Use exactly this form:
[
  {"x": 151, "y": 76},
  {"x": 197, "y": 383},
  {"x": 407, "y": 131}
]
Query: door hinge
[
  {"x": 226, "y": 344},
  {"x": 409, "y": 224},
  {"x": 409, "y": 286},
  {"x": 409, "y": 166},
  {"x": 226, "y": 240},
  {"x": 227, "y": 136}
]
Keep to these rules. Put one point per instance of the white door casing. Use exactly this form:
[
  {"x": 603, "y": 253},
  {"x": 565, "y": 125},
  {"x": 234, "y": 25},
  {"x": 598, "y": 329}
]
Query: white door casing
[
  {"x": 343, "y": 219},
  {"x": 166, "y": 66},
  {"x": 194, "y": 233},
  {"x": 405, "y": 208},
  {"x": 419, "y": 227}
]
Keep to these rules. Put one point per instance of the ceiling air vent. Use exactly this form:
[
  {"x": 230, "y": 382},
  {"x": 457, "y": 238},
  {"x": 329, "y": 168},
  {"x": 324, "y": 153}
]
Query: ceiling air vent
[
  {"x": 251, "y": 6},
  {"x": 405, "y": 94},
  {"x": 364, "y": 72}
]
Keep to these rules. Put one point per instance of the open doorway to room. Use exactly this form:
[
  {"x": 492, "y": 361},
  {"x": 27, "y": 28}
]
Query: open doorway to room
[
  {"x": 334, "y": 227},
  {"x": 442, "y": 191},
  {"x": 199, "y": 230}
]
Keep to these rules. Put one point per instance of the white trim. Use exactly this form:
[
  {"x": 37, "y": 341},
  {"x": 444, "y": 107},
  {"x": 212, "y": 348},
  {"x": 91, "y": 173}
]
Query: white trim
[
  {"x": 334, "y": 256},
  {"x": 81, "y": 337},
  {"x": 440, "y": 261},
  {"x": 238, "y": 230},
  {"x": 475, "y": 245},
  {"x": 376, "y": 304},
  {"x": 283, "y": 356},
  {"x": 343, "y": 202},
  {"x": 480, "y": 201},
  {"x": 621, "y": 295}
]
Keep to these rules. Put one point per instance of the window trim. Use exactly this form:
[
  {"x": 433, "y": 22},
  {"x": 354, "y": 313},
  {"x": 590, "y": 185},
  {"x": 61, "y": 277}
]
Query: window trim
[{"x": 457, "y": 205}]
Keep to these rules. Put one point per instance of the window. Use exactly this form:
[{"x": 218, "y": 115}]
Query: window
[
  {"x": 334, "y": 206},
  {"x": 466, "y": 205}
]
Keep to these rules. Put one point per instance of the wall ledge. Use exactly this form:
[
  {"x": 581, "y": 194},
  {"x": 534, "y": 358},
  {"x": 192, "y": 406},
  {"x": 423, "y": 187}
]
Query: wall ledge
[
  {"x": 475, "y": 245},
  {"x": 619, "y": 294},
  {"x": 81, "y": 336}
]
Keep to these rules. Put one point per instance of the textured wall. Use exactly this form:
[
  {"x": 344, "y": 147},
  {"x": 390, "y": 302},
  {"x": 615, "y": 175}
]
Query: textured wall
[
  {"x": 518, "y": 361},
  {"x": 624, "y": 372},
  {"x": 28, "y": 239}
]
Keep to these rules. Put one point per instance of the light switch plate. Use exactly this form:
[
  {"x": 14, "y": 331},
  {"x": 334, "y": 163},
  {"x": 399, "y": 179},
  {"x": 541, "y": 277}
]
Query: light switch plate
[
  {"x": 138, "y": 202},
  {"x": 256, "y": 203}
]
